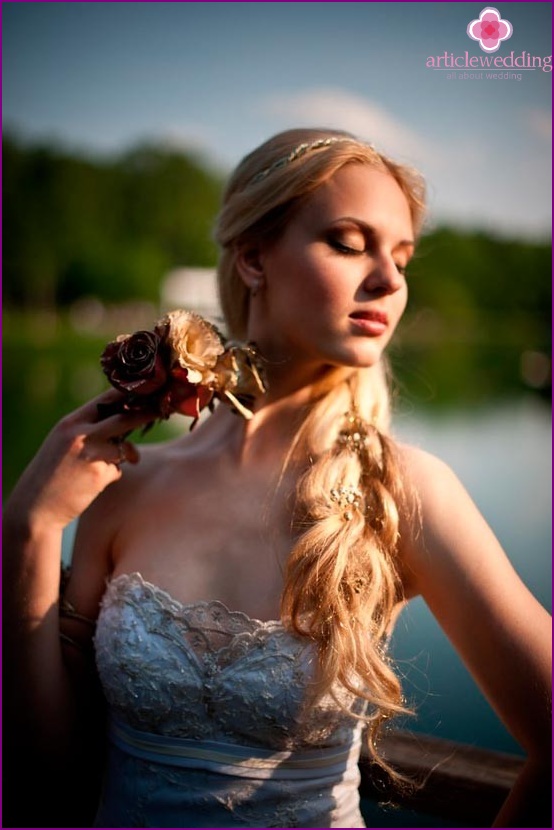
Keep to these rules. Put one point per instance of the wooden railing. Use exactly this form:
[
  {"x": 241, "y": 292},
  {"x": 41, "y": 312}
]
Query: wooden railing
[{"x": 451, "y": 780}]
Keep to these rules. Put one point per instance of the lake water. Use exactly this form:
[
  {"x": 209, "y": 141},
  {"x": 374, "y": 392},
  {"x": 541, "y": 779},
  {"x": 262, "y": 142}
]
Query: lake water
[{"x": 503, "y": 457}]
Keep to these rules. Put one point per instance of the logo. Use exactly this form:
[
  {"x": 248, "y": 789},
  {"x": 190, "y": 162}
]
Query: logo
[{"x": 490, "y": 29}]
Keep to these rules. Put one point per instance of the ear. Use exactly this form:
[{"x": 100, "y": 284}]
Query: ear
[{"x": 250, "y": 266}]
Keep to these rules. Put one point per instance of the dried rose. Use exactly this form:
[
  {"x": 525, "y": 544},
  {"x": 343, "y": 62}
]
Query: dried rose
[
  {"x": 236, "y": 371},
  {"x": 194, "y": 342},
  {"x": 183, "y": 396},
  {"x": 179, "y": 367},
  {"x": 134, "y": 363},
  {"x": 237, "y": 377}
]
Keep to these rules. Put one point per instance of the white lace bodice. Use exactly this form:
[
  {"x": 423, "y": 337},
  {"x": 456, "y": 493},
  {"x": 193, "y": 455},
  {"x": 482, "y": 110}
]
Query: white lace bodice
[
  {"x": 201, "y": 680},
  {"x": 202, "y": 671}
]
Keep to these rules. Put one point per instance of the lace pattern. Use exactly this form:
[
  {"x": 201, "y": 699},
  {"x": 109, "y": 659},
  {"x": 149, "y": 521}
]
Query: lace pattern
[{"x": 202, "y": 671}]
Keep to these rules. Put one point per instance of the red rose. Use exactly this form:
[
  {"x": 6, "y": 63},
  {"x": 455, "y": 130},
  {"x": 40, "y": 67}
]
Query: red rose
[
  {"x": 133, "y": 363},
  {"x": 183, "y": 396}
]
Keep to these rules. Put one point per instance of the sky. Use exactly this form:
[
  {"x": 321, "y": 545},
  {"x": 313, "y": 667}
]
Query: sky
[{"x": 219, "y": 78}]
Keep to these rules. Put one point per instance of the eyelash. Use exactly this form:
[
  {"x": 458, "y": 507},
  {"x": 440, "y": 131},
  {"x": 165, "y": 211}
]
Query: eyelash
[{"x": 347, "y": 251}]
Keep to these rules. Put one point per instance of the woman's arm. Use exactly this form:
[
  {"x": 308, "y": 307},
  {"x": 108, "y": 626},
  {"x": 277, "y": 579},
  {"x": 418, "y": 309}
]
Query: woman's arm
[
  {"x": 76, "y": 462},
  {"x": 500, "y": 630}
]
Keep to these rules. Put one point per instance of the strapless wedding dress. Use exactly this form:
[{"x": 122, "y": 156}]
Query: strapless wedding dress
[{"x": 211, "y": 721}]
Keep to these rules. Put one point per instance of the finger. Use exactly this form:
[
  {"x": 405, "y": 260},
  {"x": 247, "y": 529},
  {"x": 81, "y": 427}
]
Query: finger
[
  {"x": 131, "y": 452},
  {"x": 126, "y": 451},
  {"x": 118, "y": 447},
  {"x": 114, "y": 452},
  {"x": 89, "y": 410},
  {"x": 119, "y": 425}
]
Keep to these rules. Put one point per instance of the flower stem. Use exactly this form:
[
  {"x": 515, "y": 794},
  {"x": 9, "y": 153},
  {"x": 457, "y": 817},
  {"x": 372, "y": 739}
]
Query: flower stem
[{"x": 246, "y": 413}]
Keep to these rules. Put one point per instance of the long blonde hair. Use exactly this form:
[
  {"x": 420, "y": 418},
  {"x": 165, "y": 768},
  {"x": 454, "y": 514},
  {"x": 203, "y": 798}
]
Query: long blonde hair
[{"x": 341, "y": 582}]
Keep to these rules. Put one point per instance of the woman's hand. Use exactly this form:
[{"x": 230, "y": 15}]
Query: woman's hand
[{"x": 80, "y": 457}]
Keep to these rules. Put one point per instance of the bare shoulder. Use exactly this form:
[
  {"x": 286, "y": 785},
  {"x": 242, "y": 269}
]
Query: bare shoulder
[
  {"x": 444, "y": 537},
  {"x": 432, "y": 489},
  {"x": 98, "y": 526},
  {"x": 133, "y": 478},
  {"x": 106, "y": 511},
  {"x": 429, "y": 473},
  {"x": 447, "y": 547},
  {"x": 433, "y": 485}
]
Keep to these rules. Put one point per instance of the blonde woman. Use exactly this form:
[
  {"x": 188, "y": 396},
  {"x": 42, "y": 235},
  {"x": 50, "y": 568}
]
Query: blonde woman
[{"x": 239, "y": 584}]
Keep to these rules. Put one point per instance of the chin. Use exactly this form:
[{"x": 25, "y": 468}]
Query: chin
[
  {"x": 357, "y": 361},
  {"x": 362, "y": 355}
]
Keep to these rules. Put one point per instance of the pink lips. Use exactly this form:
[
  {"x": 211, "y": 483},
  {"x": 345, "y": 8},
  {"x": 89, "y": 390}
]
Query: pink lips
[{"x": 370, "y": 322}]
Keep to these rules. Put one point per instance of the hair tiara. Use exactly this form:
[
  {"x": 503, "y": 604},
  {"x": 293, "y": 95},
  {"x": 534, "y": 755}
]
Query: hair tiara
[{"x": 300, "y": 151}]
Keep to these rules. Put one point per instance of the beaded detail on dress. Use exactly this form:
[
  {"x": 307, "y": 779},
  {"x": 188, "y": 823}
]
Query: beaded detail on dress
[{"x": 202, "y": 671}]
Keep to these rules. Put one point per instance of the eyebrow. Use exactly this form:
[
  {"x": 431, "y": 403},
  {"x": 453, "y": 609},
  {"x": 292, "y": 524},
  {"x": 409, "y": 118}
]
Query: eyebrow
[{"x": 404, "y": 243}]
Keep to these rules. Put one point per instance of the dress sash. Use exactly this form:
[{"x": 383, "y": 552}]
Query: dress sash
[{"x": 232, "y": 759}]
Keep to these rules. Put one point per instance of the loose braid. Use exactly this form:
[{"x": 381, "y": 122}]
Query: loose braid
[{"x": 346, "y": 520}]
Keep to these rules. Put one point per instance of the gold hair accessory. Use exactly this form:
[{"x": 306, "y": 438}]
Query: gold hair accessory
[
  {"x": 355, "y": 433},
  {"x": 301, "y": 150},
  {"x": 359, "y": 584},
  {"x": 348, "y": 499}
]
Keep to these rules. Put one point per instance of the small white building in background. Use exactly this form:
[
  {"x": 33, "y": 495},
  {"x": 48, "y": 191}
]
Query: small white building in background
[{"x": 194, "y": 289}]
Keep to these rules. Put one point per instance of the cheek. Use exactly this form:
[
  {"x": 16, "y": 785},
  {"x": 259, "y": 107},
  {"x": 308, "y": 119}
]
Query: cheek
[
  {"x": 306, "y": 285},
  {"x": 322, "y": 283},
  {"x": 325, "y": 295},
  {"x": 398, "y": 306},
  {"x": 403, "y": 298}
]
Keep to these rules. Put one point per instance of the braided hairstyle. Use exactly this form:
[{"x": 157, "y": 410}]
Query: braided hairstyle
[{"x": 341, "y": 582}]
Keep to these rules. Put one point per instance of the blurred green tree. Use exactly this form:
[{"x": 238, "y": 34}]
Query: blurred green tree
[{"x": 75, "y": 227}]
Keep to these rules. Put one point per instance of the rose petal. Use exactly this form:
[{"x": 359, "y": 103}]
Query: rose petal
[
  {"x": 193, "y": 405},
  {"x": 194, "y": 342},
  {"x": 194, "y": 376}
]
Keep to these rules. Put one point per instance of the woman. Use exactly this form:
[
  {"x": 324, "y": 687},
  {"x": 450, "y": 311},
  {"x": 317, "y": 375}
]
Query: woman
[{"x": 255, "y": 568}]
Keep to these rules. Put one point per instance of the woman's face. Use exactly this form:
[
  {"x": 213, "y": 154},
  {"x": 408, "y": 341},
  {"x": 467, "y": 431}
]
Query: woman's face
[{"x": 334, "y": 285}]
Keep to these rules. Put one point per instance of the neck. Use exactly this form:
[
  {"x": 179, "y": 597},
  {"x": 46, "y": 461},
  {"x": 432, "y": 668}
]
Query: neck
[
  {"x": 295, "y": 383},
  {"x": 278, "y": 414},
  {"x": 266, "y": 437}
]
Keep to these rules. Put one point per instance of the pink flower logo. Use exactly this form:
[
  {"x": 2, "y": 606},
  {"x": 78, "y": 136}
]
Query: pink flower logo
[{"x": 490, "y": 29}]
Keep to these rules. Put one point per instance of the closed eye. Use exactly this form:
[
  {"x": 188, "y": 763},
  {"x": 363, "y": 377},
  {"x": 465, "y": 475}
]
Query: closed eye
[
  {"x": 345, "y": 249},
  {"x": 348, "y": 250}
]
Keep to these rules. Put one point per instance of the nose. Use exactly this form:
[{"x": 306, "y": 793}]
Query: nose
[{"x": 383, "y": 277}]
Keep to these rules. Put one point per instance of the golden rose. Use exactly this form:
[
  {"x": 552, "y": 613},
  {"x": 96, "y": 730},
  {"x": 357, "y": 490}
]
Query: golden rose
[
  {"x": 195, "y": 344},
  {"x": 237, "y": 377},
  {"x": 236, "y": 371}
]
